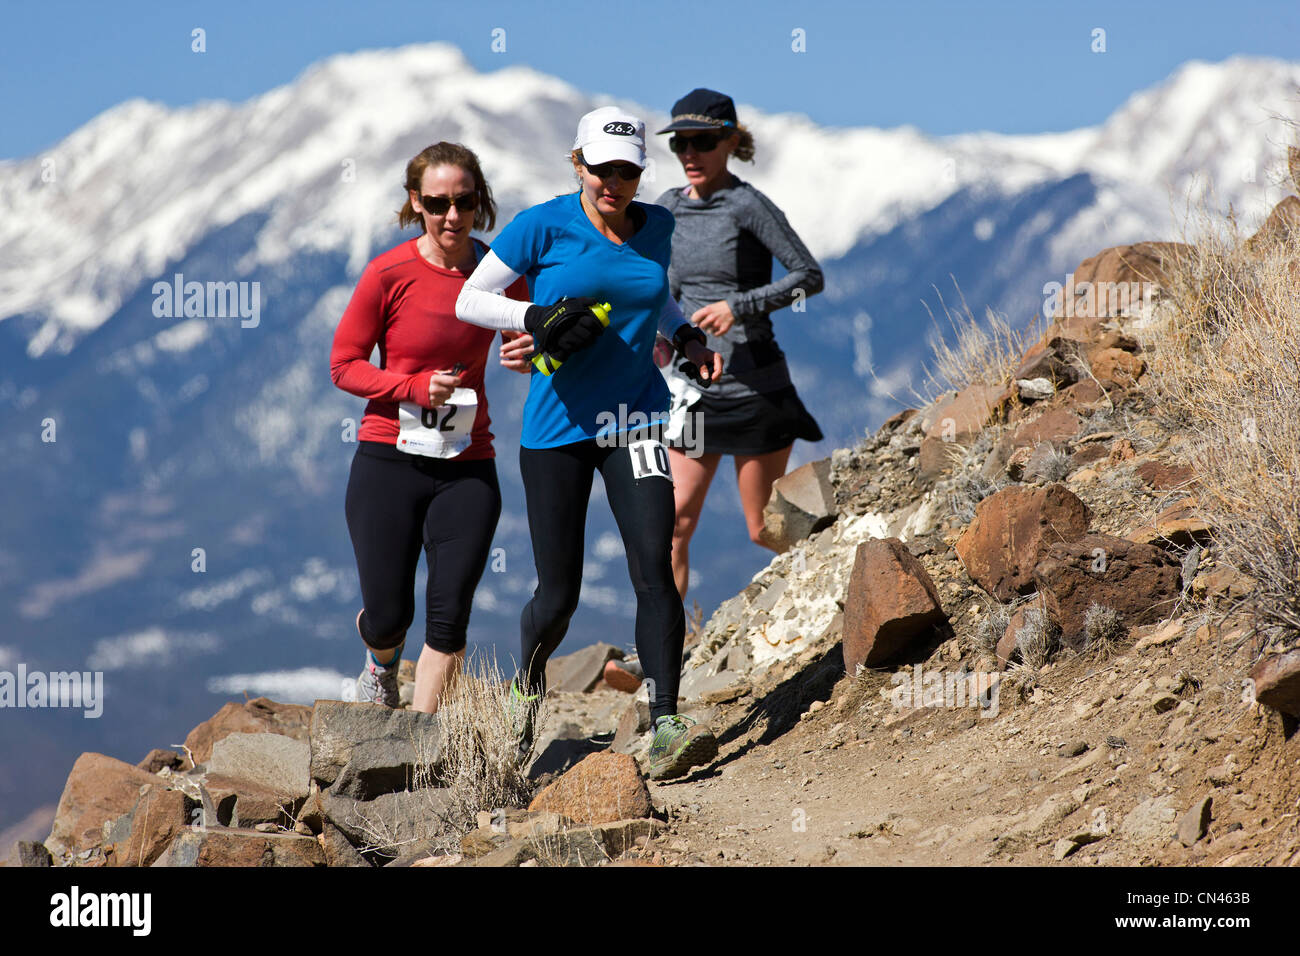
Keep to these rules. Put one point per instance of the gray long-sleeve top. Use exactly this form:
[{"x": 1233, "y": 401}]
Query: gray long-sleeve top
[{"x": 722, "y": 249}]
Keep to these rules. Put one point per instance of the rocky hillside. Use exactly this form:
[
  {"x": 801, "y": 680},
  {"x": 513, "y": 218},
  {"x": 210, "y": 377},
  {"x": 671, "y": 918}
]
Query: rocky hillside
[{"x": 1001, "y": 629}]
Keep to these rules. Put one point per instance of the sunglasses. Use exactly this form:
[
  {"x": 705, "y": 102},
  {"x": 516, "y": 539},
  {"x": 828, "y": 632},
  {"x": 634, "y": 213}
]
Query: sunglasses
[
  {"x": 439, "y": 205},
  {"x": 626, "y": 171},
  {"x": 701, "y": 142}
]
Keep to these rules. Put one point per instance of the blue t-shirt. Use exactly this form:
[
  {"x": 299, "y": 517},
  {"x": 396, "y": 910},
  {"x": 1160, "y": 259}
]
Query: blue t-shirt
[{"x": 614, "y": 385}]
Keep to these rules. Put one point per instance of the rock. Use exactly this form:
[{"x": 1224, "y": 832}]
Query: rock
[
  {"x": 1222, "y": 582},
  {"x": 259, "y": 715},
  {"x": 1164, "y": 701},
  {"x": 560, "y": 746},
  {"x": 482, "y": 841},
  {"x": 1012, "y": 529},
  {"x": 224, "y": 847},
  {"x": 1139, "y": 581},
  {"x": 1164, "y": 476},
  {"x": 389, "y": 823},
  {"x": 270, "y": 761},
  {"x": 1195, "y": 822},
  {"x": 98, "y": 790},
  {"x": 1114, "y": 281},
  {"x": 1055, "y": 425},
  {"x": 1067, "y": 845},
  {"x": 634, "y": 723},
  {"x": 962, "y": 418},
  {"x": 28, "y": 853},
  {"x": 603, "y": 788},
  {"x": 157, "y": 759},
  {"x": 1150, "y": 822},
  {"x": 362, "y": 750},
  {"x": 579, "y": 672},
  {"x": 1178, "y": 527},
  {"x": 623, "y": 836},
  {"x": 241, "y": 803},
  {"x": 801, "y": 504},
  {"x": 159, "y": 816},
  {"x": 1115, "y": 367},
  {"x": 937, "y": 457},
  {"x": 1281, "y": 226},
  {"x": 1082, "y": 394},
  {"x": 1042, "y": 362},
  {"x": 1035, "y": 389},
  {"x": 1277, "y": 682},
  {"x": 890, "y": 602}
]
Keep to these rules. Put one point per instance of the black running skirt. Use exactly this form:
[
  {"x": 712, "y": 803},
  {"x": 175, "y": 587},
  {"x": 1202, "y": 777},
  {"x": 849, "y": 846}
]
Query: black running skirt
[{"x": 749, "y": 425}]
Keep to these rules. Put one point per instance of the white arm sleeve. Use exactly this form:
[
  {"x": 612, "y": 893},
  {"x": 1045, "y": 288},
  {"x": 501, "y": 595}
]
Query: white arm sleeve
[
  {"x": 482, "y": 300},
  {"x": 671, "y": 318}
]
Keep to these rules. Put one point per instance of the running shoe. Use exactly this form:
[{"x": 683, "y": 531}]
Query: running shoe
[
  {"x": 521, "y": 711},
  {"x": 378, "y": 684},
  {"x": 679, "y": 744}
]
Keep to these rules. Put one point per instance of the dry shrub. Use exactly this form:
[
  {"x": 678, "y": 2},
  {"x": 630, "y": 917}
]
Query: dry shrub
[
  {"x": 1226, "y": 356},
  {"x": 472, "y": 765},
  {"x": 985, "y": 352}
]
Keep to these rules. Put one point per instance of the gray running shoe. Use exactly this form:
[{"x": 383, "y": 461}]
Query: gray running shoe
[
  {"x": 378, "y": 685},
  {"x": 679, "y": 744}
]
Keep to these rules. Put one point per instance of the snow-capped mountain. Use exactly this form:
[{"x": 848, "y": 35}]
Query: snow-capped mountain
[{"x": 175, "y": 484}]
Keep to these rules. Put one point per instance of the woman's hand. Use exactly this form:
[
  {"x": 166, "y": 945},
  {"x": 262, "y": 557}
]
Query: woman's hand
[
  {"x": 715, "y": 318},
  {"x": 516, "y": 349},
  {"x": 707, "y": 362},
  {"x": 441, "y": 385}
]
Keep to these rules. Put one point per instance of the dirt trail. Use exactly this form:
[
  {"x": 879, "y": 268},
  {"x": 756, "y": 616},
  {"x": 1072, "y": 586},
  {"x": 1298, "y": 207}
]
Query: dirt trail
[{"x": 860, "y": 782}]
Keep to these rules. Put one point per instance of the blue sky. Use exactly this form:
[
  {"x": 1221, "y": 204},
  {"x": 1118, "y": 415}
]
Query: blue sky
[{"x": 941, "y": 65}]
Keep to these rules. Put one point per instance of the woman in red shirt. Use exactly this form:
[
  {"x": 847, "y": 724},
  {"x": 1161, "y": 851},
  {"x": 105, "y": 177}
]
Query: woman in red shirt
[{"x": 423, "y": 472}]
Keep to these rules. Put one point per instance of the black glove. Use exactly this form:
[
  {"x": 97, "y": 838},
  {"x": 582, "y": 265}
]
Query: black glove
[
  {"x": 566, "y": 327},
  {"x": 689, "y": 333}
]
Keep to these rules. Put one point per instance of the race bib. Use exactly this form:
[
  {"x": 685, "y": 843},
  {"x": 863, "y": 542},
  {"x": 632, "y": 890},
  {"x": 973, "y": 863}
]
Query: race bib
[
  {"x": 649, "y": 459},
  {"x": 442, "y": 432}
]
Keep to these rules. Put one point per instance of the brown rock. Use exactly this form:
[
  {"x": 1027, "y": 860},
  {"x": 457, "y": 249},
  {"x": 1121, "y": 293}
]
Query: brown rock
[
  {"x": 602, "y": 788},
  {"x": 1115, "y": 367},
  {"x": 891, "y": 602},
  {"x": 936, "y": 458},
  {"x": 1081, "y": 394},
  {"x": 1055, "y": 425},
  {"x": 802, "y": 503},
  {"x": 243, "y": 803},
  {"x": 895, "y": 421},
  {"x": 1121, "y": 450},
  {"x": 580, "y": 671},
  {"x": 1011, "y": 530},
  {"x": 1086, "y": 454},
  {"x": 1044, "y": 361},
  {"x": 1281, "y": 226},
  {"x": 1179, "y": 527},
  {"x": 249, "y": 717},
  {"x": 1114, "y": 281},
  {"x": 222, "y": 847},
  {"x": 634, "y": 722},
  {"x": 1138, "y": 580},
  {"x": 159, "y": 816},
  {"x": 963, "y": 417},
  {"x": 1164, "y": 475},
  {"x": 99, "y": 790},
  {"x": 1277, "y": 682},
  {"x": 157, "y": 759}
]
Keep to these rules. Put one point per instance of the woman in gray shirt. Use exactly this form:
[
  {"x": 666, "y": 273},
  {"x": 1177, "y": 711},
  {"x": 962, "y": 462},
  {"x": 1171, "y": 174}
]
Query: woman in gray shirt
[{"x": 721, "y": 274}]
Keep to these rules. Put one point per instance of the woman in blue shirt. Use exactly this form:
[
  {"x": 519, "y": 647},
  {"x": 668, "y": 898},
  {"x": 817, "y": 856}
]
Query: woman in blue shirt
[{"x": 598, "y": 409}]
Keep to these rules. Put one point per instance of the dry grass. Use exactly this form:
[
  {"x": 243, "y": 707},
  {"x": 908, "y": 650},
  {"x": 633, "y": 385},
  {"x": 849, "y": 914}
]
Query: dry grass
[
  {"x": 1036, "y": 639},
  {"x": 1227, "y": 358},
  {"x": 471, "y": 766},
  {"x": 974, "y": 352},
  {"x": 1104, "y": 629}
]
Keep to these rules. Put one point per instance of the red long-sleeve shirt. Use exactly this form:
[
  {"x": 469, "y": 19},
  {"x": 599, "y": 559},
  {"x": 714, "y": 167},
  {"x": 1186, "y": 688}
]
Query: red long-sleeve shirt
[{"x": 407, "y": 306}]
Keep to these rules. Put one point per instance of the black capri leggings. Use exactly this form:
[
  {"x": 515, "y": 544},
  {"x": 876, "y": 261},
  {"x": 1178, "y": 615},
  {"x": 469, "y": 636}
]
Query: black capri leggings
[
  {"x": 396, "y": 502},
  {"x": 557, "y": 483}
]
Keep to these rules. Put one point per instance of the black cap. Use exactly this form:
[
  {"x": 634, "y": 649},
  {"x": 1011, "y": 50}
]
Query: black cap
[{"x": 702, "y": 109}]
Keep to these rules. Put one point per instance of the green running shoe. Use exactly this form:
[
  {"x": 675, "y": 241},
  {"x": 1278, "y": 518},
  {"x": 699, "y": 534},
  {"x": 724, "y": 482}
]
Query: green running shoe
[
  {"x": 521, "y": 711},
  {"x": 679, "y": 744}
]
